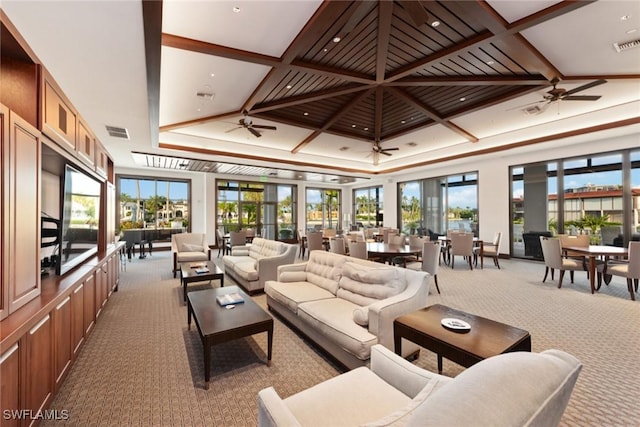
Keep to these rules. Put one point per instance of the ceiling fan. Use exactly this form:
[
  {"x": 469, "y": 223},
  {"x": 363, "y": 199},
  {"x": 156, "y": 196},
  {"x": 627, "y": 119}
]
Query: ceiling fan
[
  {"x": 377, "y": 150},
  {"x": 561, "y": 94},
  {"x": 247, "y": 123}
]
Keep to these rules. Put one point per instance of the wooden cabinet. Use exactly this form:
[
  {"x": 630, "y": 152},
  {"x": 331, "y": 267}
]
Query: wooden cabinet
[
  {"x": 10, "y": 399},
  {"x": 58, "y": 118},
  {"x": 39, "y": 365},
  {"x": 102, "y": 159},
  {"x": 102, "y": 291},
  {"x": 4, "y": 205},
  {"x": 62, "y": 340},
  {"x": 89, "y": 297},
  {"x": 86, "y": 143},
  {"x": 77, "y": 319},
  {"x": 20, "y": 213}
]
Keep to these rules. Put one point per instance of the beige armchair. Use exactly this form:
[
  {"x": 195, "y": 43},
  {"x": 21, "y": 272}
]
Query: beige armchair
[{"x": 189, "y": 247}]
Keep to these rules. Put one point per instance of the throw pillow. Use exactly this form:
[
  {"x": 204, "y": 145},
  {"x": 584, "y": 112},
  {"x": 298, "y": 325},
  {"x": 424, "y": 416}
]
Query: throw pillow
[
  {"x": 363, "y": 285},
  {"x": 361, "y": 316},
  {"x": 187, "y": 247}
]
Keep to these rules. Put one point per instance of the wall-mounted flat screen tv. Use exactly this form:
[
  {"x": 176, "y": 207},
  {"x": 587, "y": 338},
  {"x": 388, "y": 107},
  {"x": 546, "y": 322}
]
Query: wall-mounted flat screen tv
[{"x": 80, "y": 218}]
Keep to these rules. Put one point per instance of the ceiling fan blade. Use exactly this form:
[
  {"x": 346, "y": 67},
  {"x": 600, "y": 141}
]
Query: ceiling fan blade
[
  {"x": 385, "y": 153},
  {"x": 254, "y": 132},
  {"x": 581, "y": 98},
  {"x": 584, "y": 87},
  {"x": 390, "y": 149},
  {"x": 264, "y": 127},
  {"x": 231, "y": 130}
]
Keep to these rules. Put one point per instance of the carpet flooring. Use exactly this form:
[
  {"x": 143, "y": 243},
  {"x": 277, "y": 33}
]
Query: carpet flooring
[{"x": 141, "y": 366}]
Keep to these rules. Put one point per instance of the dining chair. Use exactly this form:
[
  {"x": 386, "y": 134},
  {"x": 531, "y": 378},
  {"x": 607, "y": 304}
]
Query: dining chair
[
  {"x": 302, "y": 243},
  {"x": 462, "y": 245},
  {"x": 358, "y": 250},
  {"x": 219, "y": 241},
  {"x": 236, "y": 238},
  {"x": 553, "y": 259},
  {"x": 314, "y": 241},
  {"x": 629, "y": 270},
  {"x": 431, "y": 260},
  {"x": 416, "y": 241},
  {"x": 387, "y": 232},
  {"x": 490, "y": 249},
  {"x": 336, "y": 245}
]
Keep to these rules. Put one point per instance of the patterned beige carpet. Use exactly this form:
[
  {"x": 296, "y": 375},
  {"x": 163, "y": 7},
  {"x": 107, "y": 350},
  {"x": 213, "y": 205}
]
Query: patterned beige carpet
[{"x": 142, "y": 367}]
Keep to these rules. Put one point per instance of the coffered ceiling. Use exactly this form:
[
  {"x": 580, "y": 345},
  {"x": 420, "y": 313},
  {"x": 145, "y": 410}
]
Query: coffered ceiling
[{"x": 351, "y": 88}]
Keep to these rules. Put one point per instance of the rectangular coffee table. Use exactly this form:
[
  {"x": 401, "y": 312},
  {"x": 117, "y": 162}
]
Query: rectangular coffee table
[
  {"x": 188, "y": 274},
  {"x": 486, "y": 337},
  {"x": 217, "y": 324}
]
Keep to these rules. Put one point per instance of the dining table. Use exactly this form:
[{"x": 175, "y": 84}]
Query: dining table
[
  {"x": 593, "y": 252},
  {"x": 389, "y": 251}
]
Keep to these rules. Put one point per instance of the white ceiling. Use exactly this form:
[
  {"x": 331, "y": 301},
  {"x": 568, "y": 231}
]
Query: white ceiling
[{"x": 95, "y": 51}]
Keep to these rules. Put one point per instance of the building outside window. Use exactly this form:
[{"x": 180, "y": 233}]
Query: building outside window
[
  {"x": 269, "y": 209},
  {"x": 322, "y": 208},
  {"x": 435, "y": 205},
  {"x": 585, "y": 195},
  {"x": 368, "y": 208},
  {"x": 159, "y": 206}
]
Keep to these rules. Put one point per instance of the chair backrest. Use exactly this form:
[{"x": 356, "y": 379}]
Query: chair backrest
[
  {"x": 430, "y": 257},
  {"x": 397, "y": 239},
  {"x": 329, "y": 232},
  {"x": 581, "y": 240},
  {"x": 462, "y": 244},
  {"x": 336, "y": 245},
  {"x": 634, "y": 260},
  {"x": 358, "y": 250},
  {"x": 250, "y": 232},
  {"x": 219, "y": 239},
  {"x": 416, "y": 241},
  {"x": 188, "y": 242},
  {"x": 496, "y": 239},
  {"x": 238, "y": 238},
  {"x": 387, "y": 232},
  {"x": 356, "y": 236},
  {"x": 314, "y": 240},
  {"x": 551, "y": 252}
]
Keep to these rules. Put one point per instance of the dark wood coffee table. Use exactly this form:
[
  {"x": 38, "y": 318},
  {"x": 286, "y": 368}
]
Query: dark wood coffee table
[
  {"x": 486, "y": 337},
  {"x": 217, "y": 324},
  {"x": 188, "y": 274}
]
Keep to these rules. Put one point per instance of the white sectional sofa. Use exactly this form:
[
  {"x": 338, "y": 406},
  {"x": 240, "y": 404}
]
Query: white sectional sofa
[
  {"x": 251, "y": 266},
  {"x": 511, "y": 389},
  {"x": 346, "y": 305}
]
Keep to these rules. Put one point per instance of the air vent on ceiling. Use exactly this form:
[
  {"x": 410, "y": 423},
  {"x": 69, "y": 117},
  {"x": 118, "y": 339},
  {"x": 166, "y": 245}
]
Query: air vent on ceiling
[
  {"x": 530, "y": 111},
  {"x": 118, "y": 132},
  {"x": 626, "y": 45},
  {"x": 206, "y": 95}
]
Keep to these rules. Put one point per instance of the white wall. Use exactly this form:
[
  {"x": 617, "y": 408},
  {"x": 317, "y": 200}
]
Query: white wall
[{"x": 493, "y": 182}]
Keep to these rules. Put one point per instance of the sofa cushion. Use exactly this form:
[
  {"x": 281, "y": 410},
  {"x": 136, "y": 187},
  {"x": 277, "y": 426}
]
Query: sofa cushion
[
  {"x": 191, "y": 256},
  {"x": 539, "y": 384},
  {"x": 334, "y": 319},
  {"x": 324, "y": 270},
  {"x": 364, "y": 285},
  {"x": 375, "y": 399},
  {"x": 190, "y": 247},
  {"x": 246, "y": 269},
  {"x": 291, "y": 294}
]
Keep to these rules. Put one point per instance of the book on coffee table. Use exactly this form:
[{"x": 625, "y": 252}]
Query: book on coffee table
[
  {"x": 228, "y": 299},
  {"x": 202, "y": 270}
]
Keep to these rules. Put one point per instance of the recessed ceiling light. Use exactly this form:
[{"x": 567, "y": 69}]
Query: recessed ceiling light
[
  {"x": 236, "y": 9},
  {"x": 625, "y": 17},
  {"x": 305, "y": 113},
  {"x": 212, "y": 74},
  {"x": 366, "y": 128},
  {"x": 490, "y": 62},
  {"x": 403, "y": 121},
  {"x": 463, "y": 99},
  {"x": 353, "y": 126},
  {"x": 325, "y": 49},
  {"x": 289, "y": 86},
  {"x": 435, "y": 24},
  {"x": 336, "y": 39},
  {"x": 412, "y": 144}
]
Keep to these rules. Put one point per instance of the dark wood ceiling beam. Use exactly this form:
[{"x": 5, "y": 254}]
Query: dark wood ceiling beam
[
  {"x": 416, "y": 12},
  {"x": 199, "y": 121},
  {"x": 378, "y": 113},
  {"x": 199, "y": 46},
  {"x": 338, "y": 73},
  {"x": 333, "y": 119},
  {"x": 385, "y": 15},
  {"x": 469, "y": 80},
  {"x": 433, "y": 115},
  {"x": 307, "y": 98}
]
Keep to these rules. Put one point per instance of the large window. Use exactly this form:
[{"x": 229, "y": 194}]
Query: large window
[
  {"x": 439, "y": 204},
  {"x": 269, "y": 209},
  {"x": 322, "y": 208},
  {"x": 368, "y": 207},
  {"x": 584, "y": 195},
  {"x": 159, "y": 204}
]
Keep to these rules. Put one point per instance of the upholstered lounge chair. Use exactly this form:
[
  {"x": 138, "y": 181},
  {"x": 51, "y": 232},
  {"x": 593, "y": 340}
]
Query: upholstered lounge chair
[{"x": 189, "y": 247}]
